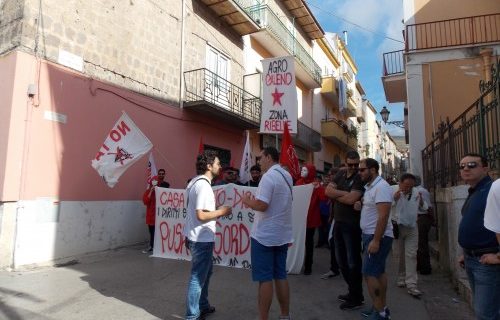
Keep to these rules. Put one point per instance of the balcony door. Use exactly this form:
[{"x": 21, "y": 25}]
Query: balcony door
[{"x": 217, "y": 78}]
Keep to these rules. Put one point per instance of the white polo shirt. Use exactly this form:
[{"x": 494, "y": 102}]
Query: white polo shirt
[
  {"x": 376, "y": 192},
  {"x": 274, "y": 226},
  {"x": 492, "y": 210},
  {"x": 427, "y": 198},
  {"x": 200, "y": 196}
]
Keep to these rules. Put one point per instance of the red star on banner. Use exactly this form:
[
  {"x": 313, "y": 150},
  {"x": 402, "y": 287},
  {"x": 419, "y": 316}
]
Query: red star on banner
[{"x": 277, "y": 96}]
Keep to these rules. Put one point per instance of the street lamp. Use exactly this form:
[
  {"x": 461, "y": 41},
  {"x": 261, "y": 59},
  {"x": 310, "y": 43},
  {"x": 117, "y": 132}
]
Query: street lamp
[{"x": 385, "y": 116}]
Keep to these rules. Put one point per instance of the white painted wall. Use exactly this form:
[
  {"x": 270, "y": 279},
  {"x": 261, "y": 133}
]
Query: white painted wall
[
  {"x": 48, "y": 231},
  {"x": 416, "y": 118}
]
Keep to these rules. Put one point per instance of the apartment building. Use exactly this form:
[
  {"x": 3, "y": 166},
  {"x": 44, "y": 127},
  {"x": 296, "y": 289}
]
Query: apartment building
[{"x": 449, "y": 48}]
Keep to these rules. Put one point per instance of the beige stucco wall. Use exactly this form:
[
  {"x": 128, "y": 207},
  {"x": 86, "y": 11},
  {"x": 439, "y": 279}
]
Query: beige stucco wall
[
  {"x": 434, "y": 10},
  {"x": 443, "y": 78}
]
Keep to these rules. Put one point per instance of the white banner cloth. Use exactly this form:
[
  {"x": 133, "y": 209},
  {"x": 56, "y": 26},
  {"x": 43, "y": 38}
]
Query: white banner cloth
[{"x": 232, "y": 238}]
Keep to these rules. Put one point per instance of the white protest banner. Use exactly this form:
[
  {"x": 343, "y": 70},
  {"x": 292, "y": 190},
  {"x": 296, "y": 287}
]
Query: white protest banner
[
  {"x": 124, "y": 145},
  {"x": 279, "y": 95},
  {"x": 232, "y": 237},
  {"x": 246, "y": 162}
]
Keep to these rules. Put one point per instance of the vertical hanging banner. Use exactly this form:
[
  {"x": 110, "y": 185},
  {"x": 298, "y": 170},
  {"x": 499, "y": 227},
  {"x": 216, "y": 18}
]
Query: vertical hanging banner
[
  {"x": 123, "y": 146},
  {"x": 246, "y": 162},
  {"x": 279, "y": 95}
]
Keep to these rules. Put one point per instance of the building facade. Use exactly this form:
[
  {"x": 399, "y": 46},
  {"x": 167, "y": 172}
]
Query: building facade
[{"x": 448, "y": 45}]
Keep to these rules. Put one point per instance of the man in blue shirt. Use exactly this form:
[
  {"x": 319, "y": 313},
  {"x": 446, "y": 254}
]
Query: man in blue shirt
[{"x": 476, "y": 240}]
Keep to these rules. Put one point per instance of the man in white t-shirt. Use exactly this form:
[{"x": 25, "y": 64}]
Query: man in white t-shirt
[
  {"x": 377, "y": 235},
  {"x": 492, "y": 220},
  {"x": 271, "y": 233},
  {"x": 199, "y": 231}
]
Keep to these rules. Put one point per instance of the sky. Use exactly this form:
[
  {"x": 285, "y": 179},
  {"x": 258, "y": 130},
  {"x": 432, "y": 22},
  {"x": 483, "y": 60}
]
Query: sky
[{"x": 384, "y": 18}]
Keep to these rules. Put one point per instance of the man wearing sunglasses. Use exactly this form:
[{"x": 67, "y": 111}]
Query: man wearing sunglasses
[
  {"x": 477, "y": 241},
  {"x": 345, "y": 190}
]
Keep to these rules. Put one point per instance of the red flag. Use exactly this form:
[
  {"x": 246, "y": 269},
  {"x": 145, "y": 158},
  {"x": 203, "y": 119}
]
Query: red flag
[
  {"x": 288, "y": 157},
  {"x": 200, "y": 147}
]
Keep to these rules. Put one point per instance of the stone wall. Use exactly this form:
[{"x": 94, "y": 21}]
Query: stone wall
[{"x": 133, "y": 44}]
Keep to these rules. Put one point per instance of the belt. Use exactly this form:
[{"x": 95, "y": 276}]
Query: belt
[{"x": 480, "y": 252}]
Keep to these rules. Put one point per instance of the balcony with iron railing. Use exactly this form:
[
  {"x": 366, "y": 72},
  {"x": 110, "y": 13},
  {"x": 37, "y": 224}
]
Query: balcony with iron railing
[
  {"x": 394, "y": 79},
  {"x": 466, "y": 31},
  {"x": 283, "y": 42},
  {"x": 210, "y": 94},
  {"x": 307, "y": 138},
  {"x": 231, "y": 11},
  {"x": 338, "y": 132}
]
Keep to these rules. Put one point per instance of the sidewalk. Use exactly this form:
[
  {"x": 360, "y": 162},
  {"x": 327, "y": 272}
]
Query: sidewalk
[{"x": 125, "y": 284}]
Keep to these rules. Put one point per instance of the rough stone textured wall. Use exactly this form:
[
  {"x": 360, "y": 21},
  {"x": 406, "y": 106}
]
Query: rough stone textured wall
[
  {"x": 134, "y": 44},
  {"x": 11, "y": 15}
]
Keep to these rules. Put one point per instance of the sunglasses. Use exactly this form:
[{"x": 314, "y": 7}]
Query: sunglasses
[
  {"x": 470, "y": 165},
  {"x": 355, "y": 165}
]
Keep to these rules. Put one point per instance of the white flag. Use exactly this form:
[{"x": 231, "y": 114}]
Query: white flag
[
  {"x": 151, "y": 170},
  {"x": 246, "y": 161},
  {"x": 124, "y": 145}
]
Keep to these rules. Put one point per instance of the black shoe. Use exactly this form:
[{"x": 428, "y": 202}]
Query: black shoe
[
  {"x": 343, "y": 297},
  {"x": 205, "y": 312},
  {"x": 425, "y": 272},
  {"x": 307, "y": 272},
  {"x": 351, "y": 305}
]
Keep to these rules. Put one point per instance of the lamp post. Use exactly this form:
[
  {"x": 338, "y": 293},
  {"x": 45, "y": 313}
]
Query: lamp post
[{"x": 385, "y": 117}]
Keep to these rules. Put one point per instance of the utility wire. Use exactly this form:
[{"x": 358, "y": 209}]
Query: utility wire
[{"x": 353, "y": 23}]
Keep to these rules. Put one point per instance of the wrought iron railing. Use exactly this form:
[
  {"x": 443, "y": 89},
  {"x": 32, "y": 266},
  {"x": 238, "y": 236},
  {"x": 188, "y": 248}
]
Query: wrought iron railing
[
  {"x": 476, "y": 130},
  {"x": 308, "y": 137},
  {"x": 204, "y": 85},
  {"x": 266, "y": 18},
  {"x": 394, "y": 62},
  {"x": 453, "y": 32}
]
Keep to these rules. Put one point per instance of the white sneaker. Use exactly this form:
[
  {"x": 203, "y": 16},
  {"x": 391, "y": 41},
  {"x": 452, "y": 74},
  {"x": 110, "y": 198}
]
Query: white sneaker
[
  {"x": 401, "y": 283},
  {"x": 329, "y": 274},
  {"x": 414, "y": 292},
  {"x": 148, "y": 250}
]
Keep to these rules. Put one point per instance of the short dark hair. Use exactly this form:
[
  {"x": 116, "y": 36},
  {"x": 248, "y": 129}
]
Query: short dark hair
[
  {"x": 204, "y": 159},
  {"x": 484, "y": 161},
  {"x": 161, "y": 170},
  {"x": 273, "y": 152},
  {"x": 406, "y": 176},
  {"x": 255, "y": 168},
  {"x": 371, "y": 163},
  {"x": 352, "y": 154}
]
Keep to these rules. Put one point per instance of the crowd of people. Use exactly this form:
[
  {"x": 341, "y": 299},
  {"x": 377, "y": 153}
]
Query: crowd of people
[{"x": 360, "y": 217}]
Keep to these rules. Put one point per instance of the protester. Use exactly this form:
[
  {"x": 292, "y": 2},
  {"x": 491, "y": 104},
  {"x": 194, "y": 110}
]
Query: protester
[
  {"x": 492, "y": 220},
  {"x": 324, "y": 213},
  {"x": 424, "y": 222},
  {"x": 149, "y": 200},
  {"x": 407, "y": 201},
  {"x": 199, "y": 231},
  {"x": 345, "y": 190},
  {"x": 377, "y": 236},
  {"x": 271, "y": 233},
  {"x": 308, "y": 175},
  {"x": 478, "y": 241},
  {"x": 229, "y": 175},
  {"x": 255, "y": 172},
  {"x": 334, "y": 266}
]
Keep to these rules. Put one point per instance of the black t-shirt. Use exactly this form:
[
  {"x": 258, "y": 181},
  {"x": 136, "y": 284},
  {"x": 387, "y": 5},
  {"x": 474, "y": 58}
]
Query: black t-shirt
[
  {"x": 164, "y": 184},
  {"x": 344, "y": 212}
]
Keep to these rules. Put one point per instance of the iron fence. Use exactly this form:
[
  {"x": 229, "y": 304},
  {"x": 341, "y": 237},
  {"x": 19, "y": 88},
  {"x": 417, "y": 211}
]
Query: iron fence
[
  {"x": 394, "y": 62},
  {"x": 476, "y": 130},
  {"x": 453, "y": 32},
  {"x": 205, "y": 86}
]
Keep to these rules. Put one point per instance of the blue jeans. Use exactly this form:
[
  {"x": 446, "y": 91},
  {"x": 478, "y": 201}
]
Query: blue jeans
[
  {"x": 201, "y": 270},
  {"x": 485, "y": 285}
]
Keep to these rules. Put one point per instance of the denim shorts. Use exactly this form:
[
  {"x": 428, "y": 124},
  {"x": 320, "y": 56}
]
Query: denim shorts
[
  {"x": 374, "y": 263},
  {"x": 268, "y": 263}
]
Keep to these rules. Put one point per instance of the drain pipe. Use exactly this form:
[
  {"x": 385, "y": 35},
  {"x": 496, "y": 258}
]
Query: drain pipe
[{"x": 181, "y": 72}]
